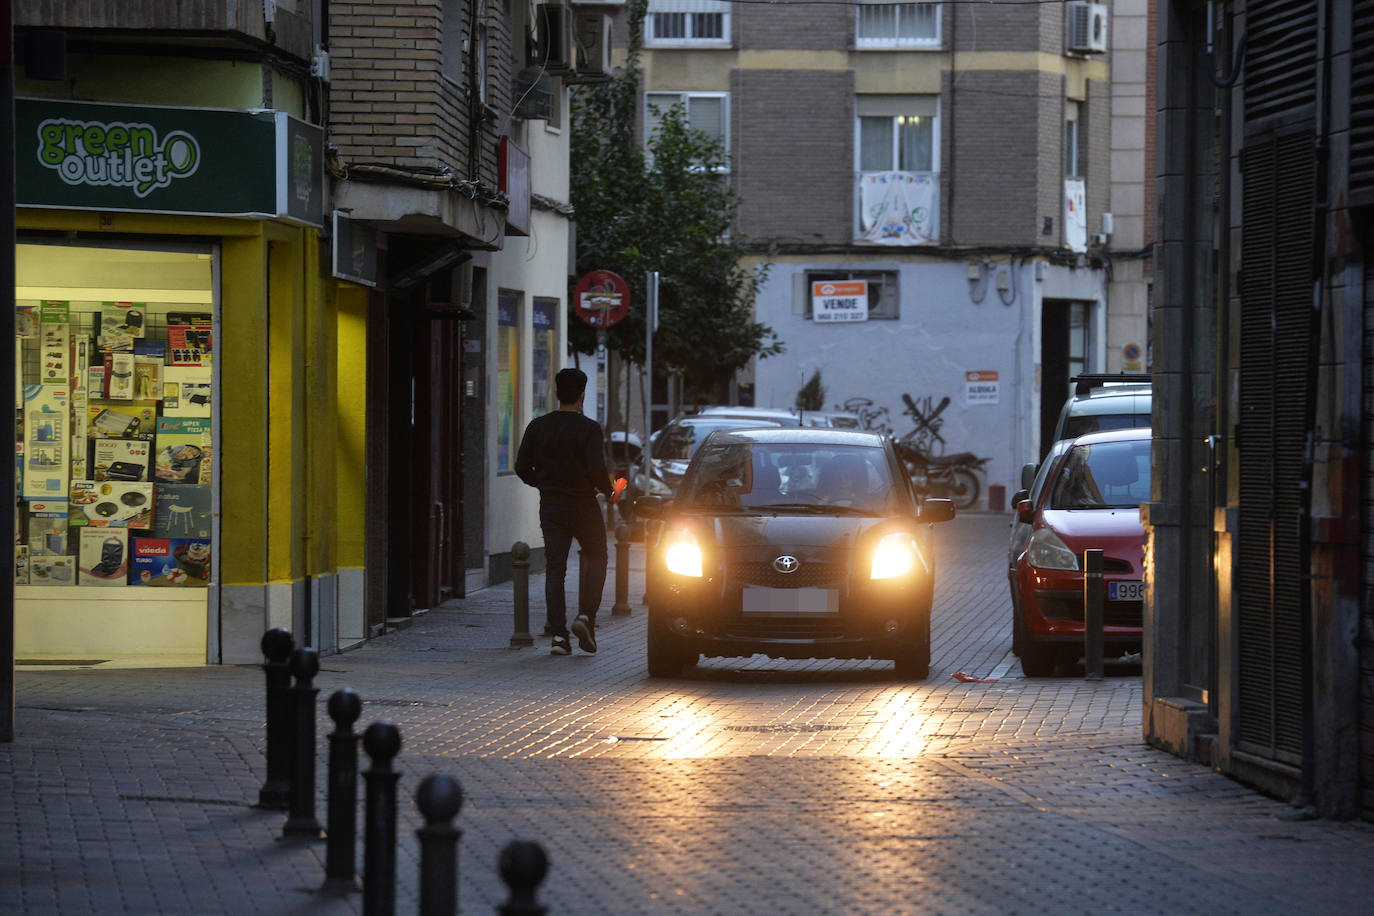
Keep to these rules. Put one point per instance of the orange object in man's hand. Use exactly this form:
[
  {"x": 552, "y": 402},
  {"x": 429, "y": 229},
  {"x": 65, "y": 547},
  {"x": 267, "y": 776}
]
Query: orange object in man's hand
[{"x": 618, "y": 490}]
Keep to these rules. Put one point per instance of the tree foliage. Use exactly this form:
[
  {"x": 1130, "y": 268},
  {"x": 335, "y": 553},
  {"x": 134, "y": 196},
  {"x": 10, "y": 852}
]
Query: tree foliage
[
  {"x": 811, "y": 396},
  {"x": 672, "y": 211}
]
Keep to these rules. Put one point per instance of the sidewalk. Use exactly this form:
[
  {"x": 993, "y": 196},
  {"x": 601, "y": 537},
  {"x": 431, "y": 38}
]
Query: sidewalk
[{"x": 746, "y": 786}]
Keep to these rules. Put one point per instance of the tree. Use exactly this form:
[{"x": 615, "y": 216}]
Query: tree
[
  {"x": 811, "y": 396},
  {"x": 672, "y": 211}
]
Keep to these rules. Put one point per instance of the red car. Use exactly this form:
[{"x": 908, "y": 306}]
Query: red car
[{"x": 1091, "y": 500}]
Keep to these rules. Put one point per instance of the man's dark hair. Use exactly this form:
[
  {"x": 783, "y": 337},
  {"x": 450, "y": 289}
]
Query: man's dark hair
[{"x": 570, "y": 383}]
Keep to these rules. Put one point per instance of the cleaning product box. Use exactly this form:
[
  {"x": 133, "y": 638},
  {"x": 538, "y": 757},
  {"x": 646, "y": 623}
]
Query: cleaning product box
[{"x": 170, "y": 562}]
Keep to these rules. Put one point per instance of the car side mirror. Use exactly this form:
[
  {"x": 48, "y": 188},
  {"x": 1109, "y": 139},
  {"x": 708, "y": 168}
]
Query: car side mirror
[
  {"x": 1018, "y": 496},
  {"x": 1025, "y": 512},
  {"x": 1027, "y": 476},
  {"x": 936, "y": 510},
  {"x": 649, "y": 506}
]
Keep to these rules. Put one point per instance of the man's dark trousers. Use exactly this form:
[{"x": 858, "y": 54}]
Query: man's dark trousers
[{"x": 564, "y": 521}]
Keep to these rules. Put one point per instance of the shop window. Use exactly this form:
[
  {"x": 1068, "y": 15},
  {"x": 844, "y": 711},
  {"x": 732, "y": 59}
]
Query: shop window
[
  {"x": 508, "y": 348},
  {"x": 881, "y": 289},
  {"x": 544, "y": 355},
  {"x": 114, "y": 351}
]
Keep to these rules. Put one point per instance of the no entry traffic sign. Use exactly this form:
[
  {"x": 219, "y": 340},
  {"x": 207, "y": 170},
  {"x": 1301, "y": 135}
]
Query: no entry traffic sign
[{"x": 601, "y": 298}]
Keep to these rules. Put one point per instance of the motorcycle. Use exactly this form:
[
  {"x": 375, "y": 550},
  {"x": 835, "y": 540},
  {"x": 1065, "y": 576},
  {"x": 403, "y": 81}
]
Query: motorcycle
[{"x": 950, "y": 476}]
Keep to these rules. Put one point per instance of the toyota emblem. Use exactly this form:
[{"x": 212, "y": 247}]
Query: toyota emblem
[{"x": 786, "y": 564}]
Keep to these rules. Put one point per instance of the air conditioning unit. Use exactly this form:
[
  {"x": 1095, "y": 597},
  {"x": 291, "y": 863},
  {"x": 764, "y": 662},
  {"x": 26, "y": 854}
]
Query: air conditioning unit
[
  {"x": 1087, "y": 27},
  {"x": 591, "y": 32},
  {"x": 553, "y": 45},
  {"x": 533, "y": 95}
]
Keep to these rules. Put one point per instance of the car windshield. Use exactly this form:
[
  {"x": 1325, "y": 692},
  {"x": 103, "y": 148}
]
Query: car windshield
[
  {"x": 679, "y": 440},
  {"x": 1104, "y": 475},
  {"x": 743, "y": 476}
]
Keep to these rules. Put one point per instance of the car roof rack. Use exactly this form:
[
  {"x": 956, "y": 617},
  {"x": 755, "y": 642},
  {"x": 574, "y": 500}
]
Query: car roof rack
[{"x": 1082, "y": 384}]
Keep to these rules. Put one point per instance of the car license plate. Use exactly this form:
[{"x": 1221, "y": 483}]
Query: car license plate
[
  {"x": 775, "y": 602},
  {"x": 1125, "y": 591}
]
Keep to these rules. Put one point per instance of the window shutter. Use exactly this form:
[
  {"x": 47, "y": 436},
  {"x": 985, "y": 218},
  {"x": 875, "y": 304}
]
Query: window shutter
[
  {"x": 1362, "y": 103},
  {"x": 707, "y": 114},
  {"x": 801, "y": 291}
]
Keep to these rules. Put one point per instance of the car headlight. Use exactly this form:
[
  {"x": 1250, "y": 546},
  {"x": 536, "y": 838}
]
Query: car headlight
[
  {"x": 1047, "y": 551},
  {"x": 895, "y": 555},
  {"x": 683, "y": 555}
]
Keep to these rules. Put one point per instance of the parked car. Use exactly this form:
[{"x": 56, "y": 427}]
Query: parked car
[
  {"x": 1103, "y": 402},
  {"x": 1021, "y": 529},
  {"x": 781, "y": 415},
  {"x": 836, "y": 419},
  {"x": 672, "y": 447},
  {"x": 796, "y": 543},
  {"x": 1090, "y": 499}
]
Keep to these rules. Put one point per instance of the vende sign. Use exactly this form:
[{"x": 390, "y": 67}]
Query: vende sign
[{"x": 839, "y": 300}]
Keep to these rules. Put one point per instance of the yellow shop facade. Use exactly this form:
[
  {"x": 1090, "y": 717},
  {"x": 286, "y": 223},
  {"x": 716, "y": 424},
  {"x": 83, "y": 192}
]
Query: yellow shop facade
[{"x": 187, "y": 444}]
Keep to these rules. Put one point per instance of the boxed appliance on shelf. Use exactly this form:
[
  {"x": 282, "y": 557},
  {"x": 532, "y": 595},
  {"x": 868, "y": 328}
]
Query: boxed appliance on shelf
[
  {"x": 111, "y": 504},
  {"x": 48, "y": 570},
  {"x": 186, "y": 391},
  {"x": 183, "y": 450},
  {"x": 45, "y": 441},
  {"x": 121, "y": 374},
  {"x": 122, "y": 419},
  {"x": 104, "y": 557},
  {"x": 47, "y": 527},
  {"x": 170, "y": 562},
  {"x": 121, "y": 459}
]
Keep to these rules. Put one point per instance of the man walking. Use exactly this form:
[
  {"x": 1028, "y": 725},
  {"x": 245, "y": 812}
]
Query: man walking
[{"x": 561, "y": 454}]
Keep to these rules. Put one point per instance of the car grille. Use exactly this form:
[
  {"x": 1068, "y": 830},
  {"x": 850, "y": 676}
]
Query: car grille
[
  {"x": 774, "y": 628},
  {"x": 1068, "y": 605},
  {"x": 809, "y": 575}
]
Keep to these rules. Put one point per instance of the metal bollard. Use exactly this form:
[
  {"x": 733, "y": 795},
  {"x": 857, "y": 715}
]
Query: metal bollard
[
  {"x": 523, "y": 865},
  {"x": 305, "y": 664},
  {"x": 439, "y": 798},
  {"x": 621, "y": 608},
  {"x": 1092, "y": 614},
  {"x": 277, "y": 646},
  {"x": 520, "y": 574},
  {"x": 344, "y": 709},
  {"x": 382, "y": 741}
]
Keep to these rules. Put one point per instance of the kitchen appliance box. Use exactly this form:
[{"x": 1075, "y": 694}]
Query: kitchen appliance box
[
  {"x": 170, "y": 562},
  {"x": 47, "y": 528},
  {"x": 46, "y": 570},
  {"x": 111, "y": 504},
  {"x": 121, "y": 459},
  {"x": 104, "y": 557}
]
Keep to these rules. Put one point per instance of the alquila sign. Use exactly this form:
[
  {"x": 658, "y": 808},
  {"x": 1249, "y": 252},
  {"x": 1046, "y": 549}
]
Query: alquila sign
[{"x": 147, "y": 158}]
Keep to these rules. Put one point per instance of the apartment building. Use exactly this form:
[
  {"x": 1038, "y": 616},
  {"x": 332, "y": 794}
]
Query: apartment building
[
  {"x": 934, "y": 186},
  {"x": 291, "y": 278}
]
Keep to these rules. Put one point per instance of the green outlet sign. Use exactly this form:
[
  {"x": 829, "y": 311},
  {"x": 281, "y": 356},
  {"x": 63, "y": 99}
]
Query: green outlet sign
[{"x": 144, "y": 158}]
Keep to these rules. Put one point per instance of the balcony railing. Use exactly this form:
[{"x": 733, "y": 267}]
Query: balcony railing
[{"x": 898, "y": 208}]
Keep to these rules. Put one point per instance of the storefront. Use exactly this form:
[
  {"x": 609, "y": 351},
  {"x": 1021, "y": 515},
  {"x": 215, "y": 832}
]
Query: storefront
[{"x": 168, "y": 296}]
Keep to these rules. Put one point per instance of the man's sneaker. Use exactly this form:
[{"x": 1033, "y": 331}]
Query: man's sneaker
[
  {"x": 560, "y": 646},
  {"x": 585, "y": 631}
]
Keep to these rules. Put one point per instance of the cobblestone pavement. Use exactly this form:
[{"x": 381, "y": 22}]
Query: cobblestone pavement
[{"x": 749, "y": 786}]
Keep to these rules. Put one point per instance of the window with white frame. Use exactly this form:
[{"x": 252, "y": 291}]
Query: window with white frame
[
  {"x": 687, "y": 23},
  {"x": 898, "y": 134},
  {"x": 897, "y": 25},
  {"x": 707, "y": 112},
  {"x": 882, "y": 290}
]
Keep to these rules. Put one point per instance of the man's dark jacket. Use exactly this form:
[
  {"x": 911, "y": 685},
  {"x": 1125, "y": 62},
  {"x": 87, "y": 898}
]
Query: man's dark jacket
[{"x": 562, "y": 455}]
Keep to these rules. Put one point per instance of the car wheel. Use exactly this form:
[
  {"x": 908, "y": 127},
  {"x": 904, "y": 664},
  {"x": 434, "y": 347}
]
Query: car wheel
[
  {"x": 664, "y": 659},
  {"x": 1038, "y": 661}
]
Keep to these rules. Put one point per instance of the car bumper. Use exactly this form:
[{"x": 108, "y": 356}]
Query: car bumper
[
  {"x": 1052, "y": 611},
  {"x": 870, "y": 620}
]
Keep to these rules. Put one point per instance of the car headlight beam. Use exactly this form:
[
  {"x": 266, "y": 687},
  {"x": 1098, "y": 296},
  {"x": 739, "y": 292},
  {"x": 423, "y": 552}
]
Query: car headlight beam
[
  {"x": 683, "y": 555},
  {"x": 1047, "y": 551},
  {"x": 896, "y": 555}
]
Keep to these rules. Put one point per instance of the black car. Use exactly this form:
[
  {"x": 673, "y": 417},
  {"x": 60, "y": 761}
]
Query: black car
[{"x": 795, "y": 543}]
